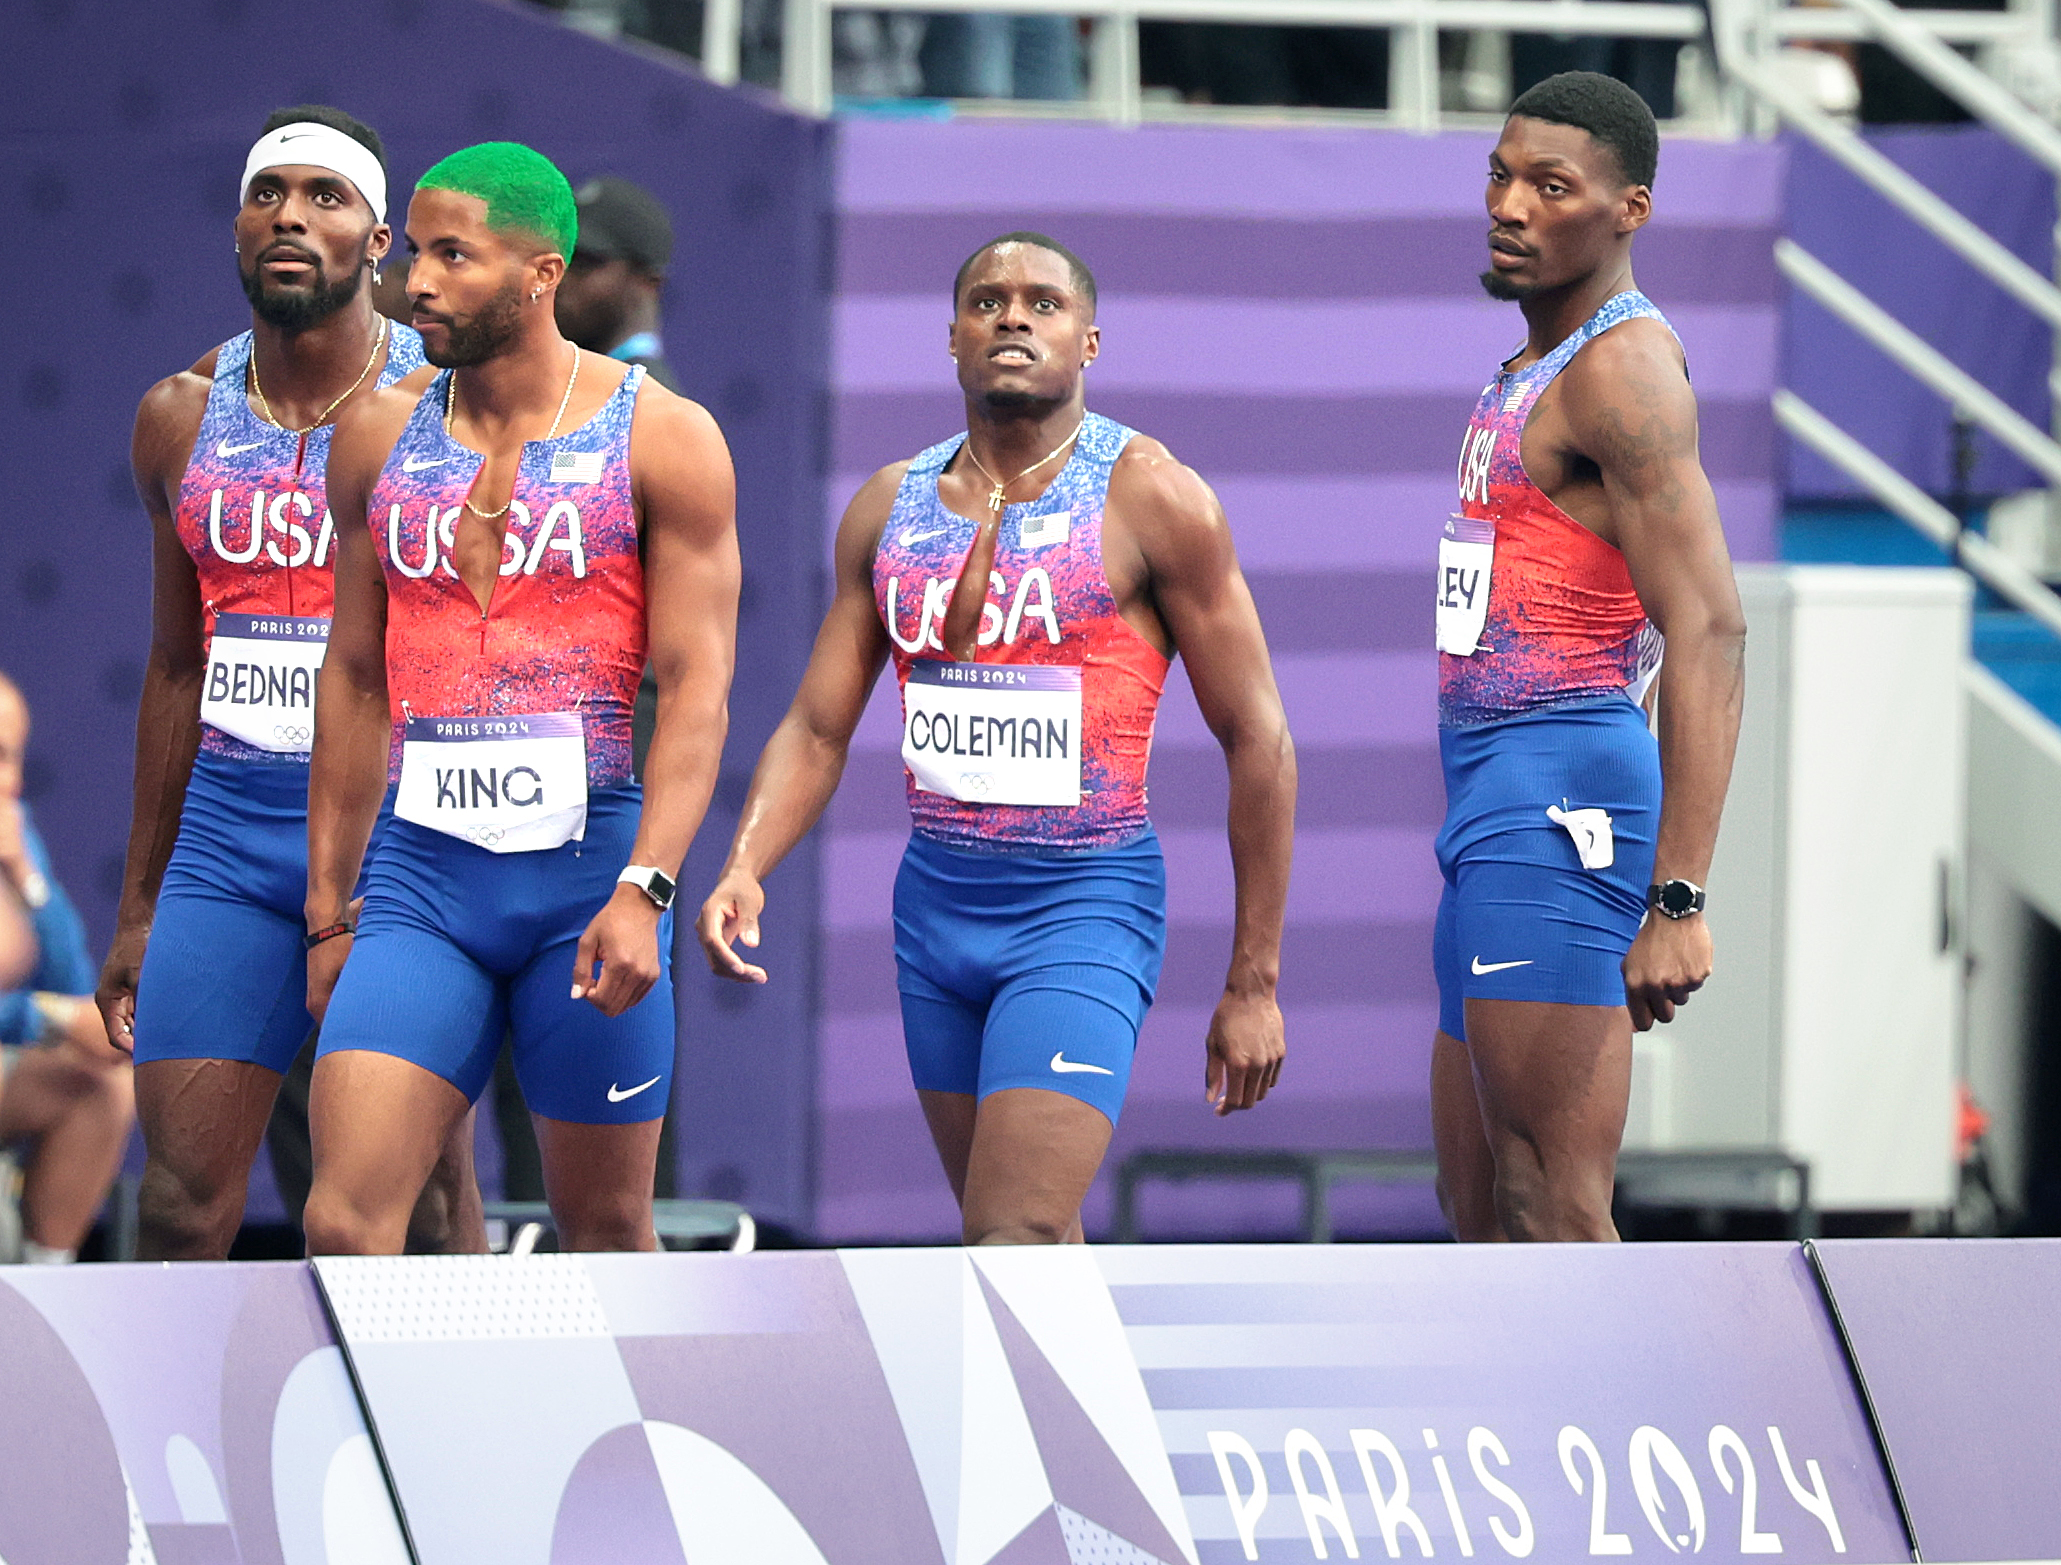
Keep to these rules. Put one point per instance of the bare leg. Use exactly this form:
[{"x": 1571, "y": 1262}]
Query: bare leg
[
  {"x": 1554, "y": 1082},
  {"x": 77, "y": 1108},
  {"x": 951, "y": 1116},
  {"x": 202, "y": 1122},
  {"x": 598, "y": 1179},
  {"x": 1033, "y": 1155},
  {"x": 1466, "y": 1168},
  {"x": 448, "y": 1218},
  {"x": 379, "y": 1124}
]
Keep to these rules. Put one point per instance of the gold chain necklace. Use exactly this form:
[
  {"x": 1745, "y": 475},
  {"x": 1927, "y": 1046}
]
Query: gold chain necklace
[
  {"x": 995, "y": 501},
  {"x": 564, "y": 402},
  {"x": 321, "y": 418}
]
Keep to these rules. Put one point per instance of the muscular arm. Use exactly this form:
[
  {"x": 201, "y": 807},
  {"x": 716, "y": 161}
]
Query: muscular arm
[
  {"x": 1208, "y": 610},
  {"x": 687, "y": 497},
  {"x": 353, "y": 728},
  {"x": 1631, "y": 412},
  {"x": 168, "y": 713},
  {"x": 802, "y": 762}
]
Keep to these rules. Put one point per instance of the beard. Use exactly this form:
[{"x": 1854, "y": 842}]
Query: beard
[
  {"x": 297, "y": 309},
  {"x": 1507, "y": 289},
  {"x": 467, "y": 343}
]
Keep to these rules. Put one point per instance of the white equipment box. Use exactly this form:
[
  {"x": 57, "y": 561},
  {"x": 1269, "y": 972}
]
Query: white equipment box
[{"x": 1829, "y": 1029}]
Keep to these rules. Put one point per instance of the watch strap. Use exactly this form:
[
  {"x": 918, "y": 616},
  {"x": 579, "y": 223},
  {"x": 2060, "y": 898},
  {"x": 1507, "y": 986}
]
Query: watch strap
[{"x": 655, "y": 883}]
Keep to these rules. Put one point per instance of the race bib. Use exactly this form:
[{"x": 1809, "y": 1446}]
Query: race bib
[
  {"x": 260, "y": 684},
  {"x": 506, "y": 784},
  {"x": 1466, "y": 556},
  {"x": 994, "y": 733}
]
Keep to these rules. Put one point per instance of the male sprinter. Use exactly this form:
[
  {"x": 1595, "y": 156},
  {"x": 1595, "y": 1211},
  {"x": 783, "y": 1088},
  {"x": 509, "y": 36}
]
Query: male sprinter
[
  {"x": 1574, "y": 849},
  {"x": 206, "y": 977},
  {"x": 538, "y": 516},
  {"x": 1033, "y": 578}
]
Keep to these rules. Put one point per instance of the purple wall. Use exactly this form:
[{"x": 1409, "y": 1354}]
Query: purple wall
[
  {"x": 123, "y": 129},
  {"x": 1931, "y": 290},
  {"x": 1296, "y": 314}
]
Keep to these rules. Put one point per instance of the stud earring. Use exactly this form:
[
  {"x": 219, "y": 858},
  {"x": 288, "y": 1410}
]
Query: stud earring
[{"x": 536, "y": 294}]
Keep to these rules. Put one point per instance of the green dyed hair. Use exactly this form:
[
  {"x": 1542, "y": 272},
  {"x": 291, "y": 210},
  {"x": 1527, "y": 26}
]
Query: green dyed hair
[{"x": 522, "y": 188}]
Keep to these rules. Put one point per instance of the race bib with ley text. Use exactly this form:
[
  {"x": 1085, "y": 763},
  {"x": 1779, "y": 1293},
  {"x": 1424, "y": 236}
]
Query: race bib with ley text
[{"x": 1466, "y": 558}]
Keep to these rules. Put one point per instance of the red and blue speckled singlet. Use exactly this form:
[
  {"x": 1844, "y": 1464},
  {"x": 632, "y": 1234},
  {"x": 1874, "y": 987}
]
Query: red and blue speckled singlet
[
  {"x": 1561, "y": 624},
  {"x": 1050, "y": 625},
  {"x": 564, "y": 630},
  {"x": 254, "y": 515}
]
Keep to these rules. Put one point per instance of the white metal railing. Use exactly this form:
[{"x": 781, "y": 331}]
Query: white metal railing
[{"x": 1923, "y": 37}]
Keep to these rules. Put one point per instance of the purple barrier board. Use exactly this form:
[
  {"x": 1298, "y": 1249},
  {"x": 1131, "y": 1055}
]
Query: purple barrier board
[
  {"x": 1553, "y": 1402},
  {"x": 185, "y": 1415},
  {"x": 1174, "y": 1405},
  {"x": 869, "y": 1408},
  {"x": 1956, "y": 1342}
]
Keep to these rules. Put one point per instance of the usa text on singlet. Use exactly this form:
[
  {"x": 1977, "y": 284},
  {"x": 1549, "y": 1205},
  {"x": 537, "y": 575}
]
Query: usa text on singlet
[
  {"x": 505, "y": 720},
  {"x": 254, "y": 515},
  {"x": 1534, "y": 610},
  {"x": 1040, "y": 744}
]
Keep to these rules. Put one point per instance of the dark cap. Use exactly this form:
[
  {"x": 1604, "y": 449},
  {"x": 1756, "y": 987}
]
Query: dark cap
[{"x": 620, "y": 221}]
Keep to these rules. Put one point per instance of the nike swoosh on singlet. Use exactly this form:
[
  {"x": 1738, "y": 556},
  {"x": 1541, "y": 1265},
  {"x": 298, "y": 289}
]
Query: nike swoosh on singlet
[
  {"x": 415, "y": 464},
  {"x": 1065, "y": 1066},
  {"x": 910, "y": 540},
  {"x": 617, "y": 1094},
  {"x": 223, "y": 448},
  {"x": 1481, "y": 967}
]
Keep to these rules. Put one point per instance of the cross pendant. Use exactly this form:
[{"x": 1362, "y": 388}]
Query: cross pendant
[{"x": 995, "y": 499}]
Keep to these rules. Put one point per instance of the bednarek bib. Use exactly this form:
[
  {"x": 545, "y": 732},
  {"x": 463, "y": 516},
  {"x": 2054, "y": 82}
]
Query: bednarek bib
[
  {"x": 260, "y": 681},
  {"x": 514, "y": 784}
]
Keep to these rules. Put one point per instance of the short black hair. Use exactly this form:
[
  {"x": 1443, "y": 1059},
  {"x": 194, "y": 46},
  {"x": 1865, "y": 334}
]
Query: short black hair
[
  {"x": 335, "y": 119},
  {"x": 1083, "y": 279},
  {"x": 1604, "y": 107}
]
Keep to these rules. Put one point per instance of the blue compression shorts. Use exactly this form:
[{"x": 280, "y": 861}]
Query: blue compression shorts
[
  {"x": 1028, "y": 970},
  {"x": 224, "y": 975},
  {"x": 459, "y": 947},
  {"x": 1520, "y": 918}
]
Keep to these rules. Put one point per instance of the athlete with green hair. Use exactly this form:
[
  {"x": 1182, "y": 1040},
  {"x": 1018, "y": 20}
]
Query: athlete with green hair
[{"x": 541, "y": 520}]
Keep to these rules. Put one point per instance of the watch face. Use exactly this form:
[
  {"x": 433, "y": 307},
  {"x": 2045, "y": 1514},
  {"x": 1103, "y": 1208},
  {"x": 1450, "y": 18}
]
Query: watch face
[{"x": 1677, "y": 898}]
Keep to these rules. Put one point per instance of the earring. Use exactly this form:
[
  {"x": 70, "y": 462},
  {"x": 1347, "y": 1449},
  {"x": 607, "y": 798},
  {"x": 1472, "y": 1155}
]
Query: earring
[
  {"x": 536, "y": 294},
  {"x": 376, "y": 279}
]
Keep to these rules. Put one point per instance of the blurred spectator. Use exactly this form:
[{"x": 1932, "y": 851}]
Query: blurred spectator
[
  {"x": 66, "y": 1096},
  {"x": 873, "y": 54},
  {"x": 1290, "y": 67},
  {"x": 990, "y": 56},
  {"x": 608, "y": 301},
  {"x": 1646, "y": 65}
]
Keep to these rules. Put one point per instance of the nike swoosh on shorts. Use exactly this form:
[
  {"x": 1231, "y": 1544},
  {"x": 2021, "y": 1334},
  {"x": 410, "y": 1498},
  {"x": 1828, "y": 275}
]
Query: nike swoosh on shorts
[
  {"x": 617, "y": 1094},
  {"x": 1065, "y": 1066},
  {"x": 1481, "y": 967}
]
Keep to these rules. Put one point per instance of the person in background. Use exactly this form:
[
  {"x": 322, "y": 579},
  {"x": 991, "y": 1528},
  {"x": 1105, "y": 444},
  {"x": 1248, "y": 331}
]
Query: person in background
[
  {"x": 609, "y": 301},
  {"x": 65, "y": 1095},
  {"x": 994, "y": 56}
]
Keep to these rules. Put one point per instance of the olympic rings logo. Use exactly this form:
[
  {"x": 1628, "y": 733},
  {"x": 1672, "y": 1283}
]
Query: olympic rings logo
[
  {"x": 482, "y": 836},
  {"x": 288, "y": 735},
  {"x": 976, "y": 786}
]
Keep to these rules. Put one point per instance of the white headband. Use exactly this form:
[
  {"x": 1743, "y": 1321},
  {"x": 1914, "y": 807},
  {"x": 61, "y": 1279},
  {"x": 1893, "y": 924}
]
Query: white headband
[{"x": 319, "y": 146}]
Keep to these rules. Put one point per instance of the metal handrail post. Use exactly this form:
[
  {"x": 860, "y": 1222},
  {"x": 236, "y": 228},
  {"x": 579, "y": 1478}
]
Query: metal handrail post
[
  {"x": 1912, "y": 353},
  {"x": 1113, "y": 68},
  {"x": 1917, "y": 202},
  {"x": 722, "y": 40},
  {"x": 1413, "y": 72},
  {"x": 805, "y": 55}
]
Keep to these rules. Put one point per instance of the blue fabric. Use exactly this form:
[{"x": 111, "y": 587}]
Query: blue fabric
[
  {"x": 639, "y": 345},
  {"x": 1517, "y": 900},
  {"x": 1017, "y": 969},
  {"x": 62, "y": 963},
  {"x": 225, "y": 975},
  {"x": 457, "y": 947}
]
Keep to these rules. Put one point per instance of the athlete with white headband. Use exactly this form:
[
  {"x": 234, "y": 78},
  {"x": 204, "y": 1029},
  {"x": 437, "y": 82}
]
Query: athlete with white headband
[{"x": 207, "y": 975}]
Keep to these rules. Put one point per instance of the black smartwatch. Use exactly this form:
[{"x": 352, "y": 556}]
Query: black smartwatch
[
  {"x": 1675, "y": 898},
  {"x": 654, "y": 883}
]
